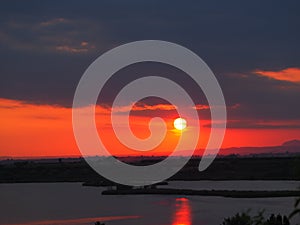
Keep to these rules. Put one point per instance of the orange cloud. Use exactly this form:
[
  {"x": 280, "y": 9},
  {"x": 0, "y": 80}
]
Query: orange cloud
[
  {"x": 288, "y": 74},
  {"x": 70, "y": 49},
  {"x": 102, "y": 109},
  {"x": 201, "y": 107},
  {"x": 205, "y": 107},
  {"x": 144, "y": 107}
]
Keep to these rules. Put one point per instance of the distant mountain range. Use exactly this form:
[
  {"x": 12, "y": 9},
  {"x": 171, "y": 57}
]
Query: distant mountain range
[
  {"x": 292, "y": 143},
  {"x": 291, "y": 147}
]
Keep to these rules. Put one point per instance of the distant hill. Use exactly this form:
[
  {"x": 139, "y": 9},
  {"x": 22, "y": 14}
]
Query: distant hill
[
  {"x": 292, "y": 143},
  {"x": 291, "y": 147}
]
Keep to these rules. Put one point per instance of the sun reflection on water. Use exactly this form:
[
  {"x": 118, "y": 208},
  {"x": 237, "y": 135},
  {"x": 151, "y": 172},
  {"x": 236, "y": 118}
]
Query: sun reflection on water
[{"x": 182, "y": 215}]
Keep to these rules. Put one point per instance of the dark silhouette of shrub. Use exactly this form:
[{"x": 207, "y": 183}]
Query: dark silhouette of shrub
[
  {"x": 278, "y": 220},
  {"x": 238, "y": 219},
  {"x": 246, "y": 219},
  {"x": 99, "y": 223}
]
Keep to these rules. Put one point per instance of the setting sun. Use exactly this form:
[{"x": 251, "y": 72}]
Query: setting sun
[{"x": 180, "y": 123}]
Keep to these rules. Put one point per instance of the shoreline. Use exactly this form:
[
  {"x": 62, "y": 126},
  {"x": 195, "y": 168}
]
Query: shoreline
[
  {"x": 214, "y": 193},
  {"x": 96, "y": 183}
]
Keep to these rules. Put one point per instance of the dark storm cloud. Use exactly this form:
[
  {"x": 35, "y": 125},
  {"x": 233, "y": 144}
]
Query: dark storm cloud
[
  {"x": 259, "y": 97},
  {"x": 47, "y": 45}
]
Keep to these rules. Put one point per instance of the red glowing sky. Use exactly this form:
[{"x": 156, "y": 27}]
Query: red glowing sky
[{"x": 45, "y": 130}]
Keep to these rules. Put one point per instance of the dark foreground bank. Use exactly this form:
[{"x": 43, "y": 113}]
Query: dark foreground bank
[{"x": 77, "y": 170}]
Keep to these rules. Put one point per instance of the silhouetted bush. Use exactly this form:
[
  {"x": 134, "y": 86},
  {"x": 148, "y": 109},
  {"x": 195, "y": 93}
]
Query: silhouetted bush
[
  {"x": 246, "y": 219},
  {"x": 277, "y": 220},
  {"x": 99, "y": 223},
  {"x": 238, "y": 219}
]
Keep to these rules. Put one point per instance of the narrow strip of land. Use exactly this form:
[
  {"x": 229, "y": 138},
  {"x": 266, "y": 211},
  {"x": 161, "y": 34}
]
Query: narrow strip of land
[{"x": 220, "y": 193}]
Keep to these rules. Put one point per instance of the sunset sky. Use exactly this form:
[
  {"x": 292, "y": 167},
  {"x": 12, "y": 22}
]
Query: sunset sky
[{"x": 252, "y": 47}]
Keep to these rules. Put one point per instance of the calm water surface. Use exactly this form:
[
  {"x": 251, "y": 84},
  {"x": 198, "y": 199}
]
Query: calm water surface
[{"x": 71, "y": 203}]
